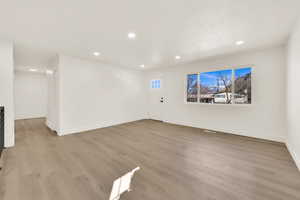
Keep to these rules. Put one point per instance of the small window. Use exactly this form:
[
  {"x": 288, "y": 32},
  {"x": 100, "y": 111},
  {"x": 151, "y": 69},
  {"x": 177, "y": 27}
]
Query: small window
[{"x": 155, "y": 84}]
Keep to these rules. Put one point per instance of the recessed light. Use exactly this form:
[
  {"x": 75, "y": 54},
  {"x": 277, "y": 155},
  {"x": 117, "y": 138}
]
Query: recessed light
[
  {"x": 96, "y": 53},
  {"x": 177, "y": 57},
  {"x": 33, "y": 70},
  {"x": 49, "y": 72},
  {"x": 131, "y": 35},
  {"x": 239, "y": 42},
  {"x": 142, "y": 66}
]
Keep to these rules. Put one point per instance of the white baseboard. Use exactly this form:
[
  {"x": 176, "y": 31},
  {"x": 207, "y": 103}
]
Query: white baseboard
[
  {"x": 275, "y": 139},
  {"x": 89, "y": 128},
  {"x": 50, "y": 125},
  {"x": 294, "y": 155},
  {"x": 29, "y": 117}
]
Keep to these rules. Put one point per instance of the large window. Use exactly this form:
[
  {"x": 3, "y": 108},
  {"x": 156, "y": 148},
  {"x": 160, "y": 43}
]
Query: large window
[{"x": 216, "y": 87}]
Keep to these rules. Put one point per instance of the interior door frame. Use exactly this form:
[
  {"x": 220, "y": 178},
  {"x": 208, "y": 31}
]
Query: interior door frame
[{"x": 159, "y": 96}]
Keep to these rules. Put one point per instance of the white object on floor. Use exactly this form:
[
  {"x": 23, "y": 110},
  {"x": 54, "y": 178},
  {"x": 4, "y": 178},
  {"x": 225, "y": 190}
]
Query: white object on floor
[{"x": 122, "y": 185}]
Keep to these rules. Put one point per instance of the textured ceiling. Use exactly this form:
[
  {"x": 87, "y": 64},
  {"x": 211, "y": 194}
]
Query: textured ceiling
[{"x": 193, "y": 29}]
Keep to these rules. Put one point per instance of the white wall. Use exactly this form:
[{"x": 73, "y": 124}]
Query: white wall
[
  {"x": 94, "y": 95},
  {"x": 30, "y": 95},
  {"x": 293, "y": 95},
  {"x": 265, "y": 118},
  {"x": 52, "y": 119},
  {"x": 7, "y": 90}
]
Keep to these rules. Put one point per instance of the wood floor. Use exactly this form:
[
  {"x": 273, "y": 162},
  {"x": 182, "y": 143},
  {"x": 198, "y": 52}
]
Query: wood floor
[{"x": 177, "y": 163}]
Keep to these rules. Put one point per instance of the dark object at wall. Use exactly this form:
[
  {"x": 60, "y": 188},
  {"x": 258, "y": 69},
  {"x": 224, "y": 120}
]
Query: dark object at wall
[
  {"x": 161, "y": 100},
  {"x": 1, "y": 129}
]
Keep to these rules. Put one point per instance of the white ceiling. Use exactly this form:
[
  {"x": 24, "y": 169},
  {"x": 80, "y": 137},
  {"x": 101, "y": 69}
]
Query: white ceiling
[{"x": 193, "y": 29}]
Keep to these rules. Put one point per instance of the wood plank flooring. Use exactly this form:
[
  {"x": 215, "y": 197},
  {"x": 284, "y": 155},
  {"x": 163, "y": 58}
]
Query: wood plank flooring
[{"x": 177, "y": 163}]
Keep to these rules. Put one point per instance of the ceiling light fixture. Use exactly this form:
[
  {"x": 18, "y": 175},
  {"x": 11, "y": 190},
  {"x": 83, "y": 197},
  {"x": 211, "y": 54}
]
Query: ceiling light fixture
[
  {"x": 33, "y": 70},
  {"x": 96, "y": 53},
  {"x": 131, "y": 35},
  {"x": 49, "y": 72},
  {"x": 239, "y": 42},
  {"x": 177, "y": 57},
  {"x": 142, "y": 66}
]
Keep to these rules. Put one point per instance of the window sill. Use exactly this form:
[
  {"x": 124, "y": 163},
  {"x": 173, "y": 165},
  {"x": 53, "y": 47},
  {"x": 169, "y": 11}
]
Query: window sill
[{"x": 216, "y": 104}]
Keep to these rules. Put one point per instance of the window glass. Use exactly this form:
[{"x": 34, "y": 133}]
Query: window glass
[
  {"x": 216, "y": 87},
  {"x": 155, "y": 84},
  {"x": 242, "y": 85},
  {"x": 229, "y": 86},
  {"x": 192, "y": 88},
  {"x": 152, "y": 84}
]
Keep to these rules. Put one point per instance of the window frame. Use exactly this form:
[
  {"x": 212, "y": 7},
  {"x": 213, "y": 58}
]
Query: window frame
[
  {"x": 233, "y": 68},
  {"x": 155, "y": 88}
]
